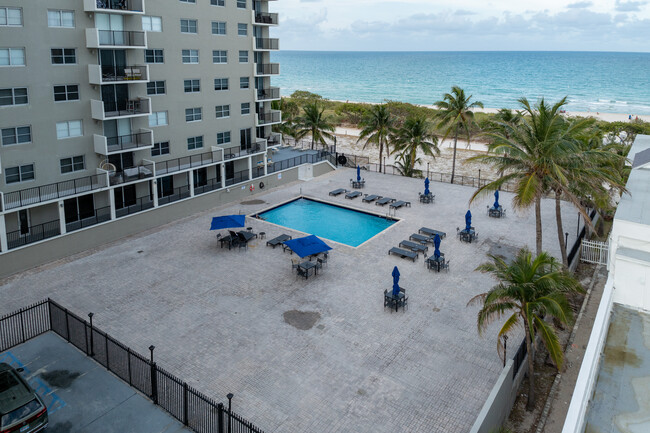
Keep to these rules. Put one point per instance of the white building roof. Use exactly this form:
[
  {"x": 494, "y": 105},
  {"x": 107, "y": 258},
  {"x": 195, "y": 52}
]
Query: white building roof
[{"x": 635, "y": 206}]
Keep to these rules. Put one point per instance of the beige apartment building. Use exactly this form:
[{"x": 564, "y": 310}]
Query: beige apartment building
[{"x": 109, "y": 108}]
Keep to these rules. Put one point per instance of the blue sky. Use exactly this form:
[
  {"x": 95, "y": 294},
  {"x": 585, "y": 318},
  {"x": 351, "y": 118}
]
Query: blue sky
[{"x": 465, "y": 25}]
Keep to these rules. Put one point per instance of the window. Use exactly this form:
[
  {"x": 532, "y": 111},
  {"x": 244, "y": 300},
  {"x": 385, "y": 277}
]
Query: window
[
  {"x": 241, "y": 4},
  {"x": 158, "y": 118},
  {"x": 243, "y": 56},
  {"x": 75, "y": 163},
  {"x": 223, "y": 111},
  {"x": 63, "y": 56},
  {"x": 245, "y": 108},
  {"x": 11, "y": 17},
  {"x": 223, "y": 137},
  {"x": 188, "y": 26},
  {"x": 220, "y": 84},
  {"x": 71, "y": 128},
  {"x": 192, "y": 86},
  {"x": 15, "y": 96},
  {"x": 59, "y": 18},
  {"x": 218, "y": 2},
  {"x": 242, "y": 29},
  {"x": 18, "y": 135},
  {"x": 12, "y": 57},
  {"x": 19, "y": 174},
  {"x": 68, "y": 92},
  {"x": 154, "y": 56},
  {"x": 156, "y": 88},
  {"x": 160, "y": 149},
  {"x": 218, "y": 28},
  {"x": 188, "y": 1},
  {"x": 193, "y": 114},
  {"x": 220, "y": 56},
  {"x": 151, "y": 24},
  {"x": 244, "y": 83},
  {"x": 195, "y": 143},
  {"x": 190, "y": 56}
]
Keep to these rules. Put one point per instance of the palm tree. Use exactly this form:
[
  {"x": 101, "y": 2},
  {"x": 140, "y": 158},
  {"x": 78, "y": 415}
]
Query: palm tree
[
  {"x": 413, "y": 136},
  {"x": 405, "y": 165},
  {"x": 528, "y": 290},
  {"x": 455, "y": 113},
  {"x": 378, "y": 124},
  {"x": 313, "y": 122}
]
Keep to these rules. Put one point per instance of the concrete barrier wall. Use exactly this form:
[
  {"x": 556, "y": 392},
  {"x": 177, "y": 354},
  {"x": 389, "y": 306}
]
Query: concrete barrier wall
[{"x": 73, "y": 243}]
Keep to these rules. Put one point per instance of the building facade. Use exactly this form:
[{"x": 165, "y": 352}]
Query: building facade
[{"x": 112, "y": 107}]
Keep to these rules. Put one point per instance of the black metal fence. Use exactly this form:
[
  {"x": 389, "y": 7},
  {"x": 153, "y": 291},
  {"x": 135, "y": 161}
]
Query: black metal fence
[
  {"x": 194, "y": 409},
  {"x": 35, "y": 233},
  {"x": 576, "y": 246},
  {"x": 177, "y": 194},
  {"x": 101, "y": 215},
  {"x": 519, "y": 357},
  {"x": 53, "y": 191}
]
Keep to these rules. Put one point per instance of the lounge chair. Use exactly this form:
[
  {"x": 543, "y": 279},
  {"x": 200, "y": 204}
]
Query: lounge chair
[
  {"x": 403, "y": 253},
  {"x": 399, "y": 204},
  {"x": 418, "y": 248},
  {"x": 432, "y": 232},
  {"x": 352, "y": 195},
  {"x": 384, "y": 201},
  {"x": 246, "y": 236},
  {"x": 338, "y": 191},
  {"x": 421, "y": 238},
  {"x": 371, "y": 198},
  {"x": 278, "y": 240}
]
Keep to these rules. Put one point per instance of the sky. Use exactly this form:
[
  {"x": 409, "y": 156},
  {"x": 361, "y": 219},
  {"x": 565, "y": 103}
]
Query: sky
[{"x": 463, "y": 25}]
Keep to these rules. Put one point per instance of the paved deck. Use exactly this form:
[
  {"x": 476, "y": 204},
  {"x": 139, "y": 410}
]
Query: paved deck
[{"x": 217, "y": 317}]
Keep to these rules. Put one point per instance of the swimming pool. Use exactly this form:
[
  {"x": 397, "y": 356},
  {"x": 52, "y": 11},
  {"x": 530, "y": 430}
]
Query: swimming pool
[{"x": 336, "y": 223}]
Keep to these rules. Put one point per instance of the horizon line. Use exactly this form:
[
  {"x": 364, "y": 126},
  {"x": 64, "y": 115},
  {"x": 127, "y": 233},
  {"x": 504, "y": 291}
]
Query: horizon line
[{"x": 465, "y": 51}]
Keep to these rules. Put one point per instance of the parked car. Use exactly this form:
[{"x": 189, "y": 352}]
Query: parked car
[{"x": 21, "y": 409}]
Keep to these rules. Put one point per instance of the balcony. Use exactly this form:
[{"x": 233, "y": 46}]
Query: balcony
[
  {"x": 143, "y": 171},
  {"x": 98, "y": 74},
  {"x": 96, "y": 38},
  {"x": 139, "y": 205},
  {"x": 267, "y": 69},
  {"x": 274, "y": 139},
  {"x": 115, "y": 6},
  {"x": 35, "y": 233},
  {"x": 270, "y": 94},
  {"x": 141, "y": 140},
  {"x": 180, "y": 193},
  {"x": 187, "y": 162},
  {"x": 127, "y": 108},
  {"x": 270, "y": 118},
  {"x": 266, "y": 44},
  {"x": 265, "y": 19}
]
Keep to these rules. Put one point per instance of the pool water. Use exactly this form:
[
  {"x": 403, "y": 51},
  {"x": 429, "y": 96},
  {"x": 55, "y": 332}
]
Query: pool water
[{"x": 327, "y": 221}]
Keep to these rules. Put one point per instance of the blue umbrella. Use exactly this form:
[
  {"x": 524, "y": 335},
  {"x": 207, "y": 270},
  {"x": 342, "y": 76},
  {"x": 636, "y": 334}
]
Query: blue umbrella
[
  {"x": 307, "y": 246},
  {"x": 228, "y": 221},
  {"x": 358, "y": 174},
  {"x": 468, "y": 221},
  {"x": 395, "y": 281},
  {"x": 426, "y": 186},
  {"x": 436, "y": 244},
  {"x": 496, "y": 199}
]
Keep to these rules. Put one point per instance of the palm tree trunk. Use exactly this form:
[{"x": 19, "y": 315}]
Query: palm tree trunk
[
  {"x": 538, "y": 225},
  {"x": 530, "y": 404},
  {"x": 453, "y": 163},
  {"x": 560, "y": 229},
  {"x": 381, "y": 152},
  {"x": 313, "y": 133}
]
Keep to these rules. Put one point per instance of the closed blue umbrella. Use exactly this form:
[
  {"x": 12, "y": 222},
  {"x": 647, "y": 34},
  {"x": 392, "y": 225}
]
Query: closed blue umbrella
[
  {"x": 468, "y": 221},
  {"x": 358, "y": 174},
  {"x": 496, "y": 199},
  {"x": 426, "y": 186},
  {"x": 395, "y": 281},
  {"x": 436, "y": 244}
]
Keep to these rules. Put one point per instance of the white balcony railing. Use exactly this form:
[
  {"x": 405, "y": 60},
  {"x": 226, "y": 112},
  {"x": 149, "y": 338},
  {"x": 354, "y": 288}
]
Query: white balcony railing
[
  {"x": 98, "y": 74},
  {"x": 136, "y": 107}
]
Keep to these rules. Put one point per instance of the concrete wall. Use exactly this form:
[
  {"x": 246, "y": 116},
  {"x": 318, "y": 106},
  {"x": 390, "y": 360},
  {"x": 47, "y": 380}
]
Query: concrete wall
[{"x": 630, "y": 263}]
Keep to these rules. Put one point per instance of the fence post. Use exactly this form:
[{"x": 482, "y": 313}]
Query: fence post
[
  {"x": 128, "y": 364},
  {"x": 67, "y": 325},
  {"x": 154, "y": 379},
  {"x": 22, "y": 326},
  {"x": 106, "y": 348},
  {"x": 49, "y": 311},
  {"x": 220, "y": 418},
  {"x": 229, "y": 396}
]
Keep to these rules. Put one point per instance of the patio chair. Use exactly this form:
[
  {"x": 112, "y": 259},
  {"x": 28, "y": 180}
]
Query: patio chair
[
  {"x": 295, "y": 263},
  {"x": 403, "y": 253},
  {"x": 445, "y": 265},
  {"x": 247, "y": 235},
  {"x": 371, "y": 198},
  {"x": 352, "y": 195},
  {"x": 422, "y": 239},
  {"x": 338, "y": 191},
  {"x": 399, "y": 204},
  {"x": 432, "y": 232},
  {"x": 413, "y": 246},
  {"x": 384, "y": 201},
  {"x": 279, "y": 240}
]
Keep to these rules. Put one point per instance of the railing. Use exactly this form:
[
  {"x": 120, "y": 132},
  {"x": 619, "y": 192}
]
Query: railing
[
  {"x": 34, "y": 233},
  {"x": 238, "y": 177},
  {"x": 271, "y": 117},
  {"x": 273, "y": 139},
  {"x": 126, "y": 107},
  {"x": 115, "y": 5},
  {"x": 141, "y": 203},
  {"x": 235, "y": 152},
  {"x": 519, "y": 357},
  {"x": 309, "y": 158},
  {"x": 101, "y": 215},
  {"x": 112, "y": 73},
  {"x": 211, "y": 185},
  {"x": 178, "y": 164},
  {"x": 128, "y": 142},
  {"x": 268, "y": 68},
  {"x": 177, "y": 194},
  {"x": 189, "y": 406},
  {"x": 142, "y": 171},
  {"x": 53, "y": 191},
  {"x": 576, "y": 246},
  {"x": 266, "y": 18},
  {"x": 267, "y": 44},
  {"x": 121, "y": 38},
  {"x": 270, "y": 93},
  {"x": 594, "y": 252}
]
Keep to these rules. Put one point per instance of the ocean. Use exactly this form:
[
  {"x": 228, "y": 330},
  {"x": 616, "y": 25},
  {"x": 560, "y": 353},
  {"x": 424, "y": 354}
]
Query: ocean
[{"x": 593, "y": 81}]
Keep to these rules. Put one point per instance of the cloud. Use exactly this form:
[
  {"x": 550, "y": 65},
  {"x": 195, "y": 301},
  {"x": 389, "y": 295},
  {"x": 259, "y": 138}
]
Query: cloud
[
  {"x": 629, "y": 6},
  {"x": 579, "y": 5},
  {"x": 464, "y": 12}
]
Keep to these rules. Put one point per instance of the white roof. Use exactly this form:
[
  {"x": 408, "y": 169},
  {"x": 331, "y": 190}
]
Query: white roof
[{"x": 635, "y": 206}]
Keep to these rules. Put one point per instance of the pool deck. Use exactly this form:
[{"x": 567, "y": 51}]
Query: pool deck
[{"x": 217, "y": 317}]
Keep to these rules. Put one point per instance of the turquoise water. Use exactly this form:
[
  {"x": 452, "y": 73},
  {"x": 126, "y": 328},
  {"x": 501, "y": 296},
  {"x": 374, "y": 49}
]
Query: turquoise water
[
  {"x": 601, "y": 82},
  {"x": 327, "y": 221}
]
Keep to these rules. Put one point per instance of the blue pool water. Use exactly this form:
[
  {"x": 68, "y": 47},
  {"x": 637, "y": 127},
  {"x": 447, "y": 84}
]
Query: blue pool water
[{"x": 328, "y": 221}]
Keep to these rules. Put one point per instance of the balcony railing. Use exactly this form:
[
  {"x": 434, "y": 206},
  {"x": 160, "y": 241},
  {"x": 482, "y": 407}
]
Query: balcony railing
[
  {"x": 178, "y": 194},
  {"x": 274, "y": 139},
  {"x": 141, "y": 203},
  {"x": 137, "y": 141},
  {"x": 123, "y": 108},
  {"x": 142, "y": 171},
  {"x": 235, "y": 152},
  {"x": 266, "y": 18},
  {"x": 267, "y": 69},
  {"x": 269, "y": 94},
  {"x": 267, "y": 44},
  {"x": 53, "y": 191},
  {"x": 274, "y": 116},
  {"x": 96, "y": 38},
  {"x": 211, "y": 185},
  {"x": 238, "y": 177},
  {"x": 106, "y": 74},
  {"x": 33, "y": 234},
  {"x": 101, "y": 215},
  {"x": 178, "y": 164},
  {"x": 114, "y": 6}
]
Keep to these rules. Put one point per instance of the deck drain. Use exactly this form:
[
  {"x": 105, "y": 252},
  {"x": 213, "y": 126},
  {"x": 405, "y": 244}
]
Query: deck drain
[
  {"x": 60, "y": 378},
  {"x": 302, "y": 320}
]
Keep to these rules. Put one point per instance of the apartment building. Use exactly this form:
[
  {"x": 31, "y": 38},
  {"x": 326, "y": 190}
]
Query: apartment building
[{"x": 109, "y": 108}]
